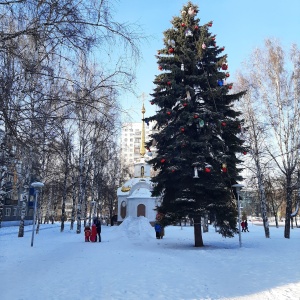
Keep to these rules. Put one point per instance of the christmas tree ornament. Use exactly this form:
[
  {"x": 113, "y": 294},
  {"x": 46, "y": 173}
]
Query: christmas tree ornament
[
  {"x": 230, "y": 87},
  {"x": 213, "y": 38},
  {"x": 224, "y": 66},
  {"x": 222, "y": 49},
  {"x": 173, "y": 169},
  {"x": 201, "y": 123},
  {"x": 207, "y": 168},
  {"x": 183, "y": 12},
  {"x": 192, "y": 12},
  {"x": 244, "y": 152},
  {"x": 224, "y": 168},
  {"x": 162, "y": 160},
  {"x": 188, "y": 32},
  {"x": 169, "y": 83},
  {"x": 196, "y": 172},
  {"x": 171, "y": 43},
  {"x": 220, "y": 82},
  {"x": 151, "y": 102},
  {"x": 227, "y": 74},
  {"x": 168, "y": 113},
  {"x": 196, "y": 27},
  {"x": 184, "y": 104},
  {"x": 160, "y": 68},
  {"x": 182, "y": 24},
  {"x": 223, "y": 124},
  {"x": 182, "y": 67},
  {"x": 210, "y": 24},
  {"x": 182, "y": 129},
  {"x": 196, "y": 116},
  {"x": 188, "y": 95},
  {"x": 171, "y": 50},
  {"x": 203, "y": 46},
  {"x": 158, "y": 52}
]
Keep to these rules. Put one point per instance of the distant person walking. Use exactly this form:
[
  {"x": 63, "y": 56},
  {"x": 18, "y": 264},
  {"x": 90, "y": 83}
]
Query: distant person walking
[
  {"x": 243, "y": 226},
  {"x": 246, "y": 226},
  {"x": 158, "y": 230},
  {"x": 94, "y": 234},
  {"x": 98, "y": 226}
]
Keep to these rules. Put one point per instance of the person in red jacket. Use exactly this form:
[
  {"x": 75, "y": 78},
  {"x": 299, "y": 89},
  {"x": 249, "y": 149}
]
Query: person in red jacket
[
  {"x": 87, "y": 233},
  {"x": 243, "y": 226},
  {"x": 94, "y": 234}
]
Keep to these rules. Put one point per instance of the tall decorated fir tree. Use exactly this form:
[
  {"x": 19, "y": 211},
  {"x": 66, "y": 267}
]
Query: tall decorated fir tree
[{"x": 198, "y": 130}]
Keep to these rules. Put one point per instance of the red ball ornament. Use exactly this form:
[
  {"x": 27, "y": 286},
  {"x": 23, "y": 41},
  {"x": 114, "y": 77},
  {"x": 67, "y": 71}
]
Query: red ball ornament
[
  {"x": 173, "y": 170},
  {"x": 160, "y": 68},
  {"x": 168, "y": 113},
  {"x": 223, "y": 124},
  {"x": 162, "y": 160},
  {"x": 223, "y": 48},
  {"x": 227, "y": 74},
  {"x": 213, "y": 38},
  {"x": 169, "y": 83},
  {"x": 183, "y": 24},
  {"x": 210, "y": 24},
  {"x": 196, "y": 116},
  {"x": 224, "y": 67},
  {"x": 230, "y": 87},
  {"x": 244, "y": 152},
  {"x": 158, "y": 52},
  {"x": 184, "y": 104},
  {"x": 152, "y": 102},
  {"x": 182, "y": 129},
  {"x": 196, "y": 27},
  {"x": 171, "y": 50},
  {"x": 207, "y": 170}
]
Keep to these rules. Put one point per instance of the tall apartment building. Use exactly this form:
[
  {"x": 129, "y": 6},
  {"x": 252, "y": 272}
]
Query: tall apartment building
[{"x": 131, "y": 136}]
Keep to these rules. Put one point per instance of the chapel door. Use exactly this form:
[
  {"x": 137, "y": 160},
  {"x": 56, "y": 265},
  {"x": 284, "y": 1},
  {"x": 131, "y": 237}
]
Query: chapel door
[{"x": 141, "y": 210}]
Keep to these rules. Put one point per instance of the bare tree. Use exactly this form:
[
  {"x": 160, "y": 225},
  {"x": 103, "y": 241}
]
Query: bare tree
[
  {"x": 275, "y": 79},
  {"x": 255, "y": 136}
]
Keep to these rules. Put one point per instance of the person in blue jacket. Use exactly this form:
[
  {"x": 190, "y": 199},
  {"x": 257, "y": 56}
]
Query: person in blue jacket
[{"x": 158, "y": 230}]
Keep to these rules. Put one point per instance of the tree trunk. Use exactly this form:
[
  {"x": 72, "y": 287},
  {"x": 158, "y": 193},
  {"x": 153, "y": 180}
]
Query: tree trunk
[
  {"x": 198, "y": 232},
  {"x": 23, "y": 210},
  {"x": 288, "y": 212},
  {"x": 262, "y": 195}
]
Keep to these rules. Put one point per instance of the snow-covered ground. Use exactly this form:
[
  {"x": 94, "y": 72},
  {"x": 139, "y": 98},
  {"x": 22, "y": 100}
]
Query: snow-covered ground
[{"x": 131, "y": 264}]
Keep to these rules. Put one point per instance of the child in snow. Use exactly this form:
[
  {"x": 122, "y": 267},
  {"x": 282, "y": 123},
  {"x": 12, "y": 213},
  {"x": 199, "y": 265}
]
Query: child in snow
[
  {"x": 87, "y": 233},
  {"x": 157, "y": 228},
  {"x": 94, "y": 234}
]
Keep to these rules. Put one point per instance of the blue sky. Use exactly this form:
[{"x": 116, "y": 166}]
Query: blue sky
[{"x": 240, "y": 26}]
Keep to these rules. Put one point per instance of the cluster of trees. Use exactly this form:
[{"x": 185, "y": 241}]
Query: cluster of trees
[
  {"x": 271, "y": 109},
  {"x": 59, "y": 82}
]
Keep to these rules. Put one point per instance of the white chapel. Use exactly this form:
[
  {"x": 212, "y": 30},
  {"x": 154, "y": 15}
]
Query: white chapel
[{"x": 134, "y": 197}]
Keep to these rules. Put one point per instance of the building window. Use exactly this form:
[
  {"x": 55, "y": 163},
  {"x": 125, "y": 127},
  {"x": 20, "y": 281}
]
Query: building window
[
  {"x": 7, "y": 212},
  {"x": 141, "y": 210}
]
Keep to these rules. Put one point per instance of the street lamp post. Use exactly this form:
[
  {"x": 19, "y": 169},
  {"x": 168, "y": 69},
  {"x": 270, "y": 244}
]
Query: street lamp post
[
  {"x": 238, "y": 188},
  {"x": 37, "y": 186}
]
